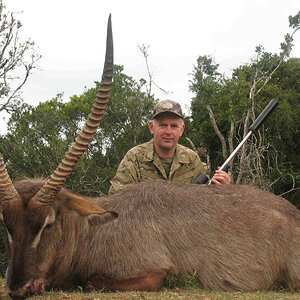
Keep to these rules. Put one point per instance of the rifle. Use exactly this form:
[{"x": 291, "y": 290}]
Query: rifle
[{"x": 202, "y": 178}]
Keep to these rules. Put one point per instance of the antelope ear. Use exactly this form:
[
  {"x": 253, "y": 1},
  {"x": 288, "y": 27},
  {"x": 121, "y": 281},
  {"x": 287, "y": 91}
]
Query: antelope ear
[
  {"x": 100, "y": 219},
  {"x": 95, "y": 213}
]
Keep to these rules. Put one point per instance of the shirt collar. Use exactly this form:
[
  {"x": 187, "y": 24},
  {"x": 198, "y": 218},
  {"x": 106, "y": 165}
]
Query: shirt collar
[{"x": 180, "y": 154}]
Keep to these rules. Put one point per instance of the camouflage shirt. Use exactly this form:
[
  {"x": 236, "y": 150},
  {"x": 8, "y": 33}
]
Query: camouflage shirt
[{"x": 141, "y": 163}]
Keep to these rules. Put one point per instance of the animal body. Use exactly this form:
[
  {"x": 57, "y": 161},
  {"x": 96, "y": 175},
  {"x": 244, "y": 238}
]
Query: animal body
[{"x": 230, "y": 237}]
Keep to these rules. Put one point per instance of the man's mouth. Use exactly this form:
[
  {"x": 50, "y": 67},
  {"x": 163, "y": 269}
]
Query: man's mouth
[{"x": 167, "y": 139}]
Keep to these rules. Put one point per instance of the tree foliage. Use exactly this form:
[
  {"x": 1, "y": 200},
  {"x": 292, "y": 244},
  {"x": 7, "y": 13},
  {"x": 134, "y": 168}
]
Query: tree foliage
[
  {"x": 17, "y": 60},
  {"x": 39, "y": 136},
  {"x": 226, "y": 107}
]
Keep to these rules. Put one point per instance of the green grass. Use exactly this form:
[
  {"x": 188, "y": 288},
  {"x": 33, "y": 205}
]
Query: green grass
[{"x": 166, "y": 293}]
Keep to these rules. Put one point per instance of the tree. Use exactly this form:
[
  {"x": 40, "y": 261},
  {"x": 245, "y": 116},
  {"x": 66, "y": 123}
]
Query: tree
[
  {"x": 39, "y": 136},
  {"x": 263, "y": 68},
  {"x": 208, "y": 113},
  {"x": 232, "y": 104},
  {"x": 17, "y": 60},
  {"x": 144, "y": 50}
]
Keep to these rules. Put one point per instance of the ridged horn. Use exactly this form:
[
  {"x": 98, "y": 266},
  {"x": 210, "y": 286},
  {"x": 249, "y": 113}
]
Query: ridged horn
[
  {"x": 7, "y": 189},
  {"x": 56, "y": 181}
]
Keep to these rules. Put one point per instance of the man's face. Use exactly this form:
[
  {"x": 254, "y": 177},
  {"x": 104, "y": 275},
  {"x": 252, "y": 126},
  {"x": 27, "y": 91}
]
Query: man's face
[{"x": 167, "y": 129}]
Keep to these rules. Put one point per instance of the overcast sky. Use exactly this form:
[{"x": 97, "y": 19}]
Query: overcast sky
[{"x": 71, "y": 36}]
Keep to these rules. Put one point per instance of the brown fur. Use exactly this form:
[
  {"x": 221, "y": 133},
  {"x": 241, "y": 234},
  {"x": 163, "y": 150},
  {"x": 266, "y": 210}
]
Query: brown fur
[{"x": 230, "y": 237}]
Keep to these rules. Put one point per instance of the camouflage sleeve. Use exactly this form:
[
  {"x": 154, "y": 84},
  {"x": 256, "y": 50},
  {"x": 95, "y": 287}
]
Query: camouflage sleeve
[
  {"x": 126, "y": 174},
  {"x": 200, "y": 167}
]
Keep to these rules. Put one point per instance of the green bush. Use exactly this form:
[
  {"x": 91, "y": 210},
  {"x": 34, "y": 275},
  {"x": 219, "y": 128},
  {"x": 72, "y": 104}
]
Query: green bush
[{"x": 180, "y": 281}]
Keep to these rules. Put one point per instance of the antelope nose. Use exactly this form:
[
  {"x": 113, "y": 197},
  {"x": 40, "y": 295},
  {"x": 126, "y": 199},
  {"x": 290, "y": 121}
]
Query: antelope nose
[
  {"x": 15, "y": 296},
  {"x": 18, "y": 294}
]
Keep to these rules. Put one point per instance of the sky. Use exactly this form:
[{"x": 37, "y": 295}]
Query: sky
[{"x": 71, "y": 37}]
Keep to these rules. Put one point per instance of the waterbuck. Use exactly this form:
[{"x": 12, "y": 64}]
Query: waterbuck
[{"x": 230, "y": 237}]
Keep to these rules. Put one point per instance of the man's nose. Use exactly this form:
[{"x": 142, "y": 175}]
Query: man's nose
[{"x": 168, "y": 130}]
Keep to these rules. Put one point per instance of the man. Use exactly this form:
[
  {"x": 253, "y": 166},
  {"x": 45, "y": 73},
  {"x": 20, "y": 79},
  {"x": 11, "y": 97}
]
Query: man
[{"x": 163, "y": 157}]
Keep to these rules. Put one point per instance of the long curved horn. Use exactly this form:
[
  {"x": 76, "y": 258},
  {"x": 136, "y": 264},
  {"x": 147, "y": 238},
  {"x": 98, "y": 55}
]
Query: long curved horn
[
  {"x": 56, "y": 181},
  {"x": 7, "y": 189}
]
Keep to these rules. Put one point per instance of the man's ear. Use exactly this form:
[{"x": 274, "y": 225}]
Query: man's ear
[
  {"x": 151, "y": 126},
  {"x": 182, "y": 129}
]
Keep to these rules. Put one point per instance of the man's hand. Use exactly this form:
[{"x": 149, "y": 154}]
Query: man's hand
[{"x": 221, "y": 177}]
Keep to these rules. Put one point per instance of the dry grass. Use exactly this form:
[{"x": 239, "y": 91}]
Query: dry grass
[{"x": 183, "y": 293}]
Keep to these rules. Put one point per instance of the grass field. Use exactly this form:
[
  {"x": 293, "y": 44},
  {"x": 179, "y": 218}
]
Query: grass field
[{"x": 176, "y": 293}]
